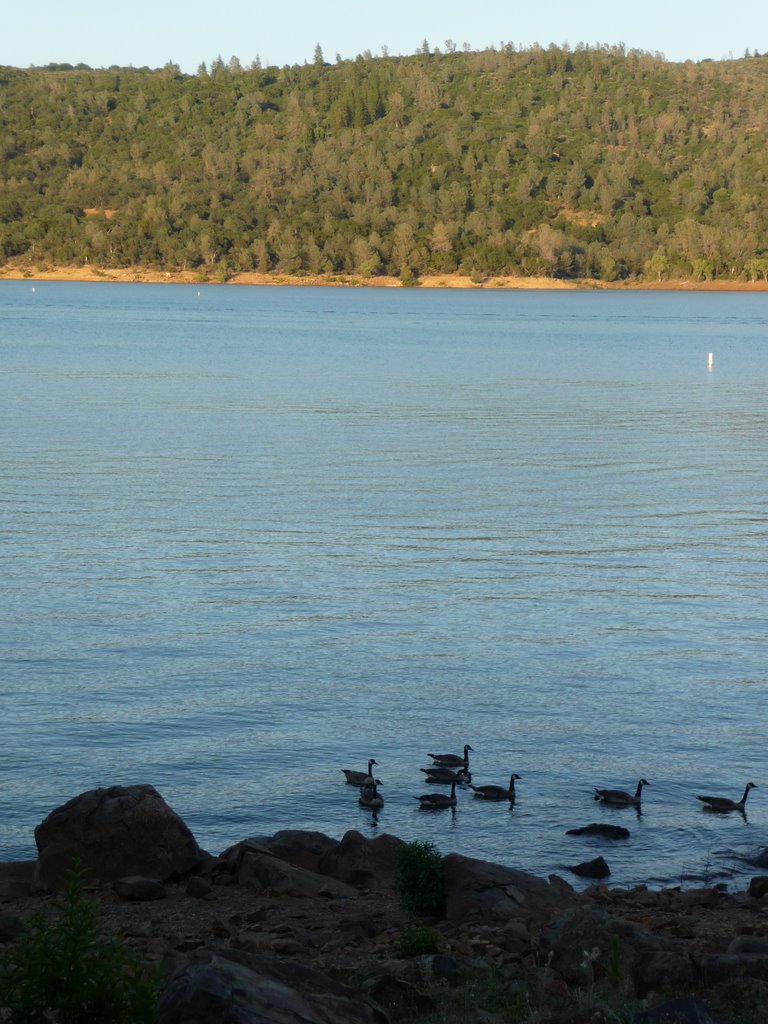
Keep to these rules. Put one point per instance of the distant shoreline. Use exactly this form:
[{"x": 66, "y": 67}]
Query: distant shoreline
[{"x": 141, "y": 275}]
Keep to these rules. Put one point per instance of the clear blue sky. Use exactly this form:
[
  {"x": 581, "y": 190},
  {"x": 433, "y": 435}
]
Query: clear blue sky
[{"x": 141, "y": 32}]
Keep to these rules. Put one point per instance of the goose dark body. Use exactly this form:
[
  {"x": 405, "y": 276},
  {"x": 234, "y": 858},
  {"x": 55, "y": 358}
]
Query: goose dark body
[
  {"x": 619, "y": 798},
  {"x": 452, "y": 760},
  {"x": 722, "y": 804},
  {"x": 370, "y": 796},
  {"x": 359, "y": 778},
  {"x": 446, "y": 775},
  {"x": 497, "y": 792},
  {"x": 437, "y": 801}
]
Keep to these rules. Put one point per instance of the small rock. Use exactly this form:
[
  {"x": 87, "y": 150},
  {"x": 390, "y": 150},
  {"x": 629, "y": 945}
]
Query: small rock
[
  {"x": 700, "y": 898},
  {"x": 662, "y": 971},
  {"x": 288, "y": 947},
  {"x": 188, "y": 943},
  {"x": 199, "y": 888},
  {"x": 446, "y": 968},
  {"x": 254, "y": 942},
  {"x": 397, "y": 994},
  {"x": 11, "y": 927},
  {"x": 517, "y": 930},
  {"x": 748, "y": 945},
  {"x": 596, "y": 868},
  {"x": 138, "y": 888},
  {"x": 729, "y": 968},
  {"x": 17, "y": 878},
  {"x": 685, "y": 1010},
  {"x": 758, "y": 886}
]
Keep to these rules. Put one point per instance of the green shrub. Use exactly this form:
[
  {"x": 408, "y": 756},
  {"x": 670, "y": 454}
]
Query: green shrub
[
  {"x": 60, "y": 972},
  {"x": 408, "y": 279},
  {"x": 420, "y": 878},
  {"x": 417, "y": 940}
]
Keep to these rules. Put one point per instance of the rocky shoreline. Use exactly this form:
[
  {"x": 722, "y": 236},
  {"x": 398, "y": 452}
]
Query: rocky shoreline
[{"x": 300, "y": 927}]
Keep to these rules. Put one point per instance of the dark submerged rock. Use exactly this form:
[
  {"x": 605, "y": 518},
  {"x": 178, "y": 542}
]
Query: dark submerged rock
[
  {"x": 760, "y": 860},
  {"x": 600, "y": 829},
  {"x": 597, "y": 868}
]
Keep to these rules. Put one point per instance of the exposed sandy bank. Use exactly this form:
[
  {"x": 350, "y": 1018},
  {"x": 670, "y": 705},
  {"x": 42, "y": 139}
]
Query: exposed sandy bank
[{"x": 17, "y": 271}]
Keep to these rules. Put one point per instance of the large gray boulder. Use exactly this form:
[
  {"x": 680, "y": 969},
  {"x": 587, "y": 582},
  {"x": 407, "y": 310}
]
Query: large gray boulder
[
  {"x": 252, "y": 865},
  {"x": 586, "y": 939},
  {"x": 366, "y": 863},
  {"x": 227, "y": 986},
  {"x": 299, "y": 847},
  {"x": 114, "y": 832},
  {"x": 482, "y": 891}
]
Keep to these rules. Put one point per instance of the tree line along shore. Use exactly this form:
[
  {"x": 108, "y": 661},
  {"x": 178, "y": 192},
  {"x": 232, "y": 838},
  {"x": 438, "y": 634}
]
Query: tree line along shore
[{"x": 589, "y": 166}]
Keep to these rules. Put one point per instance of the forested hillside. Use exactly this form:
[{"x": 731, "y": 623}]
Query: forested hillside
[{"x": 590, "y": 162}]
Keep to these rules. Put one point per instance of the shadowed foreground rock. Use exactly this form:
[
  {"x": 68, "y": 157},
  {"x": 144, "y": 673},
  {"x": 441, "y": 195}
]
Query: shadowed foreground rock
[
  {"x": 227, "y": 986},
  {"x": 113, "y": 833}
]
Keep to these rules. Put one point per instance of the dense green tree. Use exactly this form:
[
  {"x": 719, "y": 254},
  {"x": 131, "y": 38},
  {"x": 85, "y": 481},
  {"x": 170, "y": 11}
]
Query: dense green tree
[{"x": 591, "y": 162}]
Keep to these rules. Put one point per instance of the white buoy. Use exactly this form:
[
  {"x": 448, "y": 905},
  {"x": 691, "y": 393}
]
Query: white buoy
[
  {"x": 710, "y": 360},
  {"x": 33, "y": 291}
]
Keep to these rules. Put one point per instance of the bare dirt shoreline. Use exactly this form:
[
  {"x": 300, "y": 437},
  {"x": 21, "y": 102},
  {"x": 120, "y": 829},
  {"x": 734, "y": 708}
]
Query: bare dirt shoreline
[{"x": 17, "y": 272}]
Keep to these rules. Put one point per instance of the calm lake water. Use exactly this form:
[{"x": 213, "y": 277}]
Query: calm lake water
[{"x": 251, "y": 536}]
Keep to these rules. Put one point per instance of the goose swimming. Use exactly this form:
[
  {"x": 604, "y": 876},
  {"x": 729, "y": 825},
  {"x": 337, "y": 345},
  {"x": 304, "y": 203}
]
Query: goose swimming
[
  {"x": 497, "y": 792},
  {"x": 370, "y": 796},
  {"x": 452, "y": 760},
  {"x": 359, "y": 778},
  {"x": 722, "y": 804},
  {"x": 447, "y": 775},
  {"x": 437, "y": 801},
  {"x": 619, "y": 798}
]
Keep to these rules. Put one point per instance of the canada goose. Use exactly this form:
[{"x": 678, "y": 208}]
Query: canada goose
[
  {"x": 721, "y": 803},
  {"x": 452, "y": 760},
  {"x": 437, "y": 801},
  {"x": 359, "y": 778},
  {"x": 619, "y": 798},
  {"x": 497, "y": 792},
  {"x": 446, "y": 775},
  {"x": 370, "y": 796}
]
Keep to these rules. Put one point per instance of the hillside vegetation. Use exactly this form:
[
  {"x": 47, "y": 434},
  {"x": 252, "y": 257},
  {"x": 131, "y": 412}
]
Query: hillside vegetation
[{"x": 584, "y": 163}]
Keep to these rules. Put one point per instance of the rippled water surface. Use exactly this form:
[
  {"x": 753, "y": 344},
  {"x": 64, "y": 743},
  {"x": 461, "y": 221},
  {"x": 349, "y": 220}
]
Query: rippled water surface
[{"x": 253, "y": 536}]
